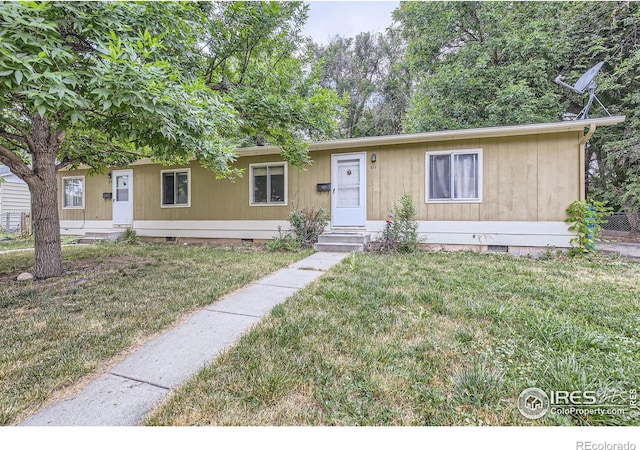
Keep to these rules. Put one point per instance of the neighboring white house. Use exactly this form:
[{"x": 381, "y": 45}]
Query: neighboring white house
[{"x": 14, "y": 200}]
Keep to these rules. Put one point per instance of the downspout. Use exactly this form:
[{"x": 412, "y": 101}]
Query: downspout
[
  {"x": 586, "y": 137},
  {"x": 583, "y": 142}
]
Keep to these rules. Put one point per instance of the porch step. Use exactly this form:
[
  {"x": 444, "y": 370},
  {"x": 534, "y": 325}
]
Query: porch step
[
  {"x": 95, "y": 237},
  {"x": 342, "y": 242}
]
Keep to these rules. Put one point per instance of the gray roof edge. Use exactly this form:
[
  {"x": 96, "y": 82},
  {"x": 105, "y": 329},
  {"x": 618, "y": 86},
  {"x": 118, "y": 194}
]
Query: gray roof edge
[
  {"x": 431, "y": 136},
  {"x": 469, "y": 133}
]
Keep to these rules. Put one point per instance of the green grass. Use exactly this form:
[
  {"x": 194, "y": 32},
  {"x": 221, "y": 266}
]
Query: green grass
[
  {"x": 18, "y": 242},
  {"x": 15, "y": 243},
  {"x": 428, "y": 339},
  {"x": 111, "y": 298}
]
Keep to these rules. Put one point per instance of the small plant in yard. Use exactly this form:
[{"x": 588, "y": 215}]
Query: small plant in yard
[
  {"x": 67, "y": 240},
  {"x": 284, "y": 241},
  {"x": 400, "y": 233},
  {"x": 477, "y": 384},
  {"x": 306, "y": 225},
  {"x": 130, "y": 236},
  {"x": 586, "y": 218}
]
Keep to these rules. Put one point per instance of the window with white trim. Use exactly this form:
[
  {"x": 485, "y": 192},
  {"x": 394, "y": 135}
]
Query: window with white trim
[
  {"x": 268, "y": 184},
  {"x": 454, "y": 176},
  {"x": 73, "y": 192},
  {"x": 176, "y": 187}
]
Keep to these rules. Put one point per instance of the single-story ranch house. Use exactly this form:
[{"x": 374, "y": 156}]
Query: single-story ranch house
[{"x": 506, "y": 187}]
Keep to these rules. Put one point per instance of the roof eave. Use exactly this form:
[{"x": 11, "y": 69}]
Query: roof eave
[{"x": 449, "y": 135}]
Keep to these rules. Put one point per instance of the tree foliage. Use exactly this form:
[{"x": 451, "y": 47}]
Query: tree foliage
[
  {"x": 494, "y": 63},
  {"x": 482, "y": 63},
  {"x": 106, "y": 83},
  {"x": 109, "y": 69},
  {"x": 609, "y": 32},
  {"x": 256, "y": 59},
  {"x": 369, "y": 73}
]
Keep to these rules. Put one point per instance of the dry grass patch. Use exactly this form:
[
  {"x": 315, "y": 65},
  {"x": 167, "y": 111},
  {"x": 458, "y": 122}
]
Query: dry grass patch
[{"x": 110, "y": 299}]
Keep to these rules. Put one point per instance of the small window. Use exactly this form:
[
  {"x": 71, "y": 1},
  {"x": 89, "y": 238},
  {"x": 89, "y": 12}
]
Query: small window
[
  {"x": 73, "y": 192},
  {"x": 454, "y": 176},
  {"x": 176, "y": 187},
  {"x": 268, "y": 183},
  {"x": 122, "y": 188}
]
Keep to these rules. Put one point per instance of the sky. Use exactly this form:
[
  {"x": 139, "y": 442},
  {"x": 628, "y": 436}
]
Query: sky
[{"x": 347, "y": 19}]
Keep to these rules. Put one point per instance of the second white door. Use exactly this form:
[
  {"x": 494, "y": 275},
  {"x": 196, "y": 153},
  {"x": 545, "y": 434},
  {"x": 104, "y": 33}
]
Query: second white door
[
  {"x": 122, "y": 197},
  {"x": 348, "y": 187}
]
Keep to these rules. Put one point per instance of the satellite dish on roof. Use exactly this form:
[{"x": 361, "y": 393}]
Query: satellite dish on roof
[
  {"x": 584, "y": 83},
  {"x": 585, "y": 80}
]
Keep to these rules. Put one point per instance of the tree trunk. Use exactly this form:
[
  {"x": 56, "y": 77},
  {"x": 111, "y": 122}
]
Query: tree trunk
[
  {"x": 46, "y": 228},
  {"x": 44, "y": 201}
]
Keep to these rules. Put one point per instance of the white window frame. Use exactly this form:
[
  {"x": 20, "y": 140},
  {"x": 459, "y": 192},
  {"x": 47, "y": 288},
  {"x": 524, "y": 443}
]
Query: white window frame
[
  {"x": 477, "y": 151},
  {"x": 84, "y": 190},
  {"x": 174, "y": 171},
  {"x": 286, "y": 183}
]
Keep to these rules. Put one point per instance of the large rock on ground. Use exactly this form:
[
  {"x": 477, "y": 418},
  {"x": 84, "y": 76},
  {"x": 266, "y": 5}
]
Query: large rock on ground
[{"x": 25, "y": 276}]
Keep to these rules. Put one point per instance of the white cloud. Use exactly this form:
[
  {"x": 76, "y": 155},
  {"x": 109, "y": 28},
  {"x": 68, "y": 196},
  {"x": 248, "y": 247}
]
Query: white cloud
[{"x": 347, "y": 18}]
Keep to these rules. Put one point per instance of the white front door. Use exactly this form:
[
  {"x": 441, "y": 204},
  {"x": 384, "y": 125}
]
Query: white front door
[
  {"x": 122, "y": 197},
  {"x": 348, "y": 189}
]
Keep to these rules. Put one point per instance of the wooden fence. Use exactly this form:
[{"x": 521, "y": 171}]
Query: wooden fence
[{"x": 16, "y": 222}]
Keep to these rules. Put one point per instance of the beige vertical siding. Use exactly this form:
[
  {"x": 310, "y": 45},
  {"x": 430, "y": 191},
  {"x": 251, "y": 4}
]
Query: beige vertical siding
[
  {"x": 95, "y": 207},
  {"x": 525, "y": 178}
]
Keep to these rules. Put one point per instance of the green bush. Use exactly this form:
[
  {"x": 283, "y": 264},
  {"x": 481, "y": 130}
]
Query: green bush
[
  {"x": 307, "y": 224},
  {"x": 586, "y": 218},
  {"x": 400, "y": 233}
]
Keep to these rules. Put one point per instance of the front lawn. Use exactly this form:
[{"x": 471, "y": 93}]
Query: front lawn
[
  {"x": 15, "y": 242},
  {"x": 429, "y": 339},
  {"x": 8, "y": 243},
  {"x": 111, "y": 298}
]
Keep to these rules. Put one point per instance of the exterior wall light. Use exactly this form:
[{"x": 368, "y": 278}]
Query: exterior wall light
[{"x": 374, "y": 158}]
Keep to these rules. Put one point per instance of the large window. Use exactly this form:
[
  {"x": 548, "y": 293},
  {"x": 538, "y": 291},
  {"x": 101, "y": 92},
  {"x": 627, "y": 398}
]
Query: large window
[
  {"x": 176, "y": 189},
  {"x": 73, "y": 192},
  {"x": 454, "y": 176},
  {"x": 268, "y": 184}
]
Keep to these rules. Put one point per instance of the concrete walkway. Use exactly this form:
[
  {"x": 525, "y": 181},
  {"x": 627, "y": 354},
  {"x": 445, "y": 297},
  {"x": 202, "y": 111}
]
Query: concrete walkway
[{"x": 127, "y": 392}]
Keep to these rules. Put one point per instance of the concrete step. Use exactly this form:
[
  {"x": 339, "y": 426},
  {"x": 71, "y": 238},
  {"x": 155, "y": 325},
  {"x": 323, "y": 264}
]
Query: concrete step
[
  {"x": 339, "y": 248},
  {"x": 342, "y": 241},
  {"x": 344, "y": 238}
]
